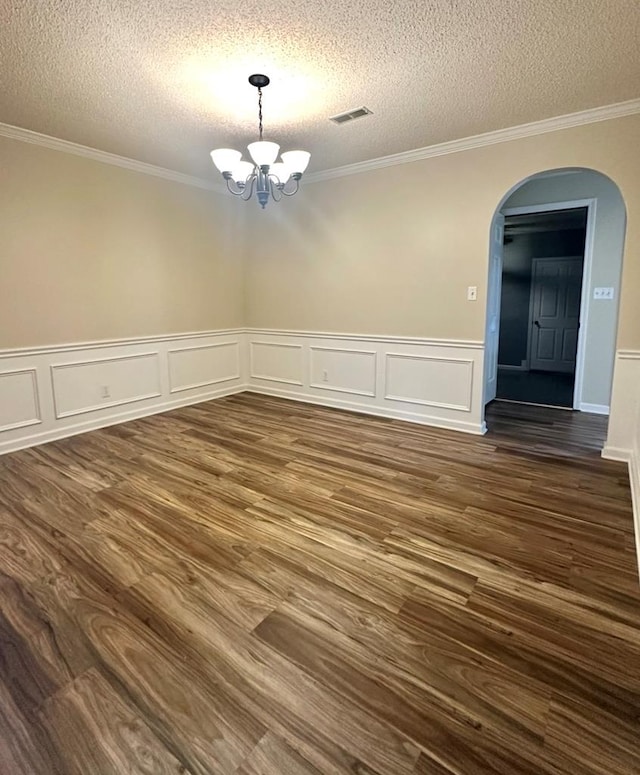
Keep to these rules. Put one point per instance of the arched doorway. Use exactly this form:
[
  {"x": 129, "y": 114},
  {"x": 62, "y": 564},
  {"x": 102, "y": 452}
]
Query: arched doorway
[{"x": 585, "y": 339}]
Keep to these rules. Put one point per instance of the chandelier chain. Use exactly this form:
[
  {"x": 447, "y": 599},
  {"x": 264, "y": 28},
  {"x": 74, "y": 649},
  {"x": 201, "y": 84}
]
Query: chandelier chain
[{"x": 260, "y": 111}]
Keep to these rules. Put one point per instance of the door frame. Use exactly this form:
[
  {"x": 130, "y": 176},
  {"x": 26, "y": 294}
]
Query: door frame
[
  {"x": 590, "y": 205},
  {"x": 494, "y": 293}
]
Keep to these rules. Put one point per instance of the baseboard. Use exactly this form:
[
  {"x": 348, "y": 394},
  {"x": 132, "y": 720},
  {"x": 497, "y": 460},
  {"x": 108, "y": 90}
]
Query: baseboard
[
  {"x": 36, "y": 439},
  {"x": 594, "y": 408},
  {"x": 616, "y": 453},
  {"x": 634, "y": 478},
  {"x": 354, "y": 406}
]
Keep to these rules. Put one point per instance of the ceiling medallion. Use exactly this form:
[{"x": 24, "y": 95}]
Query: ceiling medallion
[{"x": 264, "y": 174}]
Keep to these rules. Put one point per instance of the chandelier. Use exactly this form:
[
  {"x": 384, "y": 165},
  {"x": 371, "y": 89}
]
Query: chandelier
[{"x": 264, "y": 175}]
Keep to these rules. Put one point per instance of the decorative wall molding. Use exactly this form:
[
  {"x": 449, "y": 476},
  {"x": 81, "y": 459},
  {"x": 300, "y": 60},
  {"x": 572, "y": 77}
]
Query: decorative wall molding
[
  {"x": 98, "y": 344},
  {"x": 591, "y": 116},
  {"x": 421, "y": 381},
  {"x": 623, "y": 431},
  {"x": 75, "y": 388},
  {"x": 152, "y": 374},
  {"x": 467, "y": 344},
  {"x": 623, "y": 437},
  {"x": 439, "y": 386},
  {"x": 104, "y": 157},
  {"x": 12, "y": 394},
  {"x": 363, "y": 381},
  {"x": 221, "y": 367},
  {"x": 581, "y": 118},
  {"x": 285, "y": 367},
  {"x": 77, "y": 384},
  {"x": 431, "y": 381}
]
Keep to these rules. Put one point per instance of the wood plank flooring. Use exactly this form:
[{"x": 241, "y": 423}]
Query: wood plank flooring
[{"x": 257, "y": 587}]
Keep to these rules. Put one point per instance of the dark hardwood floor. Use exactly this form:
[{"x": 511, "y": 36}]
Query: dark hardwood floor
[{"x": 259, "y": 587}]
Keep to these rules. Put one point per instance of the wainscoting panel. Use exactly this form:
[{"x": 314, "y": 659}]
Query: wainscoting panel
[
  {"x": 434, "y": 382},
  {"x": 48, "y": 393},
  {"x": 51, "y": 392},
  {"x": 623, "y": 430},
  {"x": 343, "y": 370},
  {"x": 201, "y": 365},
  {"x": 422, "y": 379},
  {"x": 19, "y": 402},
  {"x": 91, "y": 385},
  {"x": 623, "y": 437},
  {"x": 276, "y": 362}
]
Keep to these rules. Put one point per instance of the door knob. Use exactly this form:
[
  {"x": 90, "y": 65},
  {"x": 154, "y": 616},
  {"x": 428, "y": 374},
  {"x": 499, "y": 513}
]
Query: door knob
[{"x": 537, "y": 323}]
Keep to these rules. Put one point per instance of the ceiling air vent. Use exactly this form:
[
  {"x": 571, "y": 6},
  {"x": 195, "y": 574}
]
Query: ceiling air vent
[{"x": 342, "y": 118}]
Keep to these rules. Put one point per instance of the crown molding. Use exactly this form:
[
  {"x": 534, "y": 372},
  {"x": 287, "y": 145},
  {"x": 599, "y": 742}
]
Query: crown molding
[
  {"x": 56, "y": 144},
  {"x": 591, "y": 116}
]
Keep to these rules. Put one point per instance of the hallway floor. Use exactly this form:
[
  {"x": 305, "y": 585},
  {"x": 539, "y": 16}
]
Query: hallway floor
[{"x": 536, "y": 387}]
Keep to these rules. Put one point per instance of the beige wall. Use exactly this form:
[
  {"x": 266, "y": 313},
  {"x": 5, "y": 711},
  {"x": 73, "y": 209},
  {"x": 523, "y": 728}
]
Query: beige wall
[
  {"x": 90, "y": 251},
  {"x": 392, "y": 251}
]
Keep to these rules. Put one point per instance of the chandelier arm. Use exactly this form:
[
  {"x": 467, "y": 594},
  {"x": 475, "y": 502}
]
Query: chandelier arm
[
  {"x": 276, "y": 191},
  {"x": 234, "y": 188},
  {"x": 247, "y": 191},
  {"x": 295, "y": 190}
]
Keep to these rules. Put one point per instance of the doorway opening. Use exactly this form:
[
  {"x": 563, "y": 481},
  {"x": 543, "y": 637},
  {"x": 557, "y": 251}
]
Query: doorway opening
[
  {"x": 541, "y": 292},
  {"x": 555, "y": 265}
]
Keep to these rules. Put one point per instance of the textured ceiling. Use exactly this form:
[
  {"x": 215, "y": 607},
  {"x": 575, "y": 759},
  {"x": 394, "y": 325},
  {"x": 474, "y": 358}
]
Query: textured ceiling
[{"x": 164, "y": 81}]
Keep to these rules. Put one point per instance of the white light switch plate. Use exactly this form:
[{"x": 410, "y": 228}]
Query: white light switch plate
[
  {"x": 603, "y": 293},
  {"x": 472, "y": 293}
]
